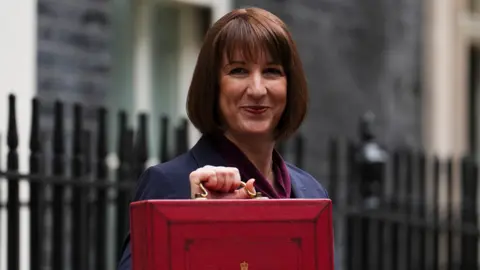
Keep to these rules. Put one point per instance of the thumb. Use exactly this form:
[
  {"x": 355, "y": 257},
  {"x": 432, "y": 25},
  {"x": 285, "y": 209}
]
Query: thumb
[{"x": 243, "y": 193}]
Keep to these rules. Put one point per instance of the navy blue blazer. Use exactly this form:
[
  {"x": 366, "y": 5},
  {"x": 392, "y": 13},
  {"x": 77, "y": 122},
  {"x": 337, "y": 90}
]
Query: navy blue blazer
[{"x": 170, "y": 180}]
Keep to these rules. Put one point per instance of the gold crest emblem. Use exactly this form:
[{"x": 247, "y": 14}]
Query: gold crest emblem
[{"x": 244, "y": 265}]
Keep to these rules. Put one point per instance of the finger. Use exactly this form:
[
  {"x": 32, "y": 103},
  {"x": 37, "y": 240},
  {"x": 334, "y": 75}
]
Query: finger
[
  {"x": 242, "y": 193},
  {"x": 250, "y": 185},
  {"x": 202, "y": 175},
  {"x": 221, "y": 173},
  {"x": 209, "y": 177},
  {"x": 236, "y": 180},
  {"x": 232, "y": 180}
]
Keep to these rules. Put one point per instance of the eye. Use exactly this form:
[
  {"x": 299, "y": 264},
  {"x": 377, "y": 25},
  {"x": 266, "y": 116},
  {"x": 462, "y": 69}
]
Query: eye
[
  {"x": 274, "y": 71},
  {"x": 238, "y": 71}
]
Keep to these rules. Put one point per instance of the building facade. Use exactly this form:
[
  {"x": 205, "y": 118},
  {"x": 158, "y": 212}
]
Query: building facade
[{"x": 138, "y": 56}]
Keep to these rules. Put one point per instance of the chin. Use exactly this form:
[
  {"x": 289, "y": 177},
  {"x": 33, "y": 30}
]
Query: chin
[{"x": 258, "y": 131}]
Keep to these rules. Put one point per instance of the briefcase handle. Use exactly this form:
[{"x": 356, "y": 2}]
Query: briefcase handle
[{"x": 253, "y": 195}]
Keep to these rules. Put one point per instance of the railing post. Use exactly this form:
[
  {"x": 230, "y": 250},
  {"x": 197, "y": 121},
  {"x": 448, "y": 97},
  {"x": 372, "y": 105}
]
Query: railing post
[
  {"x": 182, "y": 137},
  {"x": 408, "y": 210},
  {"x": 394, "y": 207},
  {"x": 450, "y": 218},
  {"x": 352, "y": 219},
  {"x": 13, "y": 206},
  {"x": 417, "y": 212},
  {"x": 36, "y": 190},
  {"x": 164, "y": 128},
  {"x": 79, "y": 200},
  {"x": 469, "y": 246},
  {"x": 433, "y": 233},
  {"x": 422, "y": 211},
  {"x": 102, "y": 174},
  {"x": 124, "y": 173},
  {"x": 141, "y": 145},
  {"x": 58, "y": 189},
  {"x": 90, "y": 208}
]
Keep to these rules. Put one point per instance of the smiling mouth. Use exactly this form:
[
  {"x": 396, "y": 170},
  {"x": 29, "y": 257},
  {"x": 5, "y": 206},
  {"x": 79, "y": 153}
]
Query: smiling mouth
[{"x": 255, "y": 109}]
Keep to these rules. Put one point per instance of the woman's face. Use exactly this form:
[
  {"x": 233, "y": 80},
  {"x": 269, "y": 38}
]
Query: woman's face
[{"x": 252, "y": 95}]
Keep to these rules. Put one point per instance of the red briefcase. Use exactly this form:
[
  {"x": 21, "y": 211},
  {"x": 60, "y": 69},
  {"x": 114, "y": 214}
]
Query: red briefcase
[{"x": 232, "y": 234}]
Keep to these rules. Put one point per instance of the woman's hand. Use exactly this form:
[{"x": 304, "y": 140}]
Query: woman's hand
[{"x": 221, "y": 183}]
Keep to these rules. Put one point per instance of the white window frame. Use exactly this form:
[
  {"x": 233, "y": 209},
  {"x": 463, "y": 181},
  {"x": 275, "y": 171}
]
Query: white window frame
[
  {"x": 18, "y": 64},
  {"x": 142, "y": 54}
]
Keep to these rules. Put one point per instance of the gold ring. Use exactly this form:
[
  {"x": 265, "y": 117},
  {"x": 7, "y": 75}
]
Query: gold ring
[
  {"x": 204, "y": 193},
  {"x": 251, "y": 194}
]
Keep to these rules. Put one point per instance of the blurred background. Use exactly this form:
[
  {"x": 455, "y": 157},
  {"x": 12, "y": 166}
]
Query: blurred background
[{"x": 93, "y": 91}]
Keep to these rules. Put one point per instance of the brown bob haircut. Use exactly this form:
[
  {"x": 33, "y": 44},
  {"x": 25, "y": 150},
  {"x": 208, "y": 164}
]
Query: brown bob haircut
[{"x": 252, "y": 32}]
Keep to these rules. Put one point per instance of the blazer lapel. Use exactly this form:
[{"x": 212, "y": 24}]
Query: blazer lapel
[
  {"x": 297, "y": 186},
  {"x": 204, "y": 154}
]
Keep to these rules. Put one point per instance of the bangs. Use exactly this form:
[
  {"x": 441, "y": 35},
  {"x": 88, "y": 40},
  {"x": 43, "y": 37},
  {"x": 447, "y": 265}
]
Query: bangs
[{"x": 252, "y": 40}]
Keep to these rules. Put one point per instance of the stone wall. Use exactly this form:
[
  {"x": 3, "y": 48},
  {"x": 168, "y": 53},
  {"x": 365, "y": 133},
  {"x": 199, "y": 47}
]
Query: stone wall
[{"x": 359, "y": 56}]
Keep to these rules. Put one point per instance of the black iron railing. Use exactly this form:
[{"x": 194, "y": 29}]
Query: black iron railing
[
  {"x": 69, "y": 207},
  {"x": 422, "y": 216}
]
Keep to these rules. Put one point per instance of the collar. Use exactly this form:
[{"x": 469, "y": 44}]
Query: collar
[{"x": 204, "y": 154}]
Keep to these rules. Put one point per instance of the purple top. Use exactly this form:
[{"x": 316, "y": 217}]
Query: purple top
[{"x": 234, "y": 157}]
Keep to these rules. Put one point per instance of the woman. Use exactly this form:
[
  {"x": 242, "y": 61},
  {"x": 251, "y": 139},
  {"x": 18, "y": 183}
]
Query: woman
[{"x": 247, "y": 92}]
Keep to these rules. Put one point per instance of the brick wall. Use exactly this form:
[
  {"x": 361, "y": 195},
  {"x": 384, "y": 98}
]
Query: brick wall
[
  {"x": 73, "y": 61},
  {"x": 73, "y": 51},
  {"x": 358, "y": 56}
]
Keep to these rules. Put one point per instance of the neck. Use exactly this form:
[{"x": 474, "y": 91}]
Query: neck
[{"x": 258, "y": 151}]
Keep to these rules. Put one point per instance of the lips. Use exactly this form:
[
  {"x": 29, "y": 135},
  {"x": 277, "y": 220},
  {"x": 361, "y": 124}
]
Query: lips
[{"x": 255, "y": 109}]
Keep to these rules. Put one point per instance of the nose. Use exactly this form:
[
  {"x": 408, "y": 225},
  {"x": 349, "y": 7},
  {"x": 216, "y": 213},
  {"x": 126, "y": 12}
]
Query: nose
[{"x": 257, "y": 87}]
